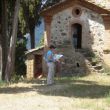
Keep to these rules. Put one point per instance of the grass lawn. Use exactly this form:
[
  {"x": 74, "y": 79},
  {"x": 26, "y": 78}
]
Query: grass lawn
[{"x": 90, "y": 92}]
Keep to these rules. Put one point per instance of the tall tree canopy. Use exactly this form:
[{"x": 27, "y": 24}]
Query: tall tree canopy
[{"x": 29, "y": 17}]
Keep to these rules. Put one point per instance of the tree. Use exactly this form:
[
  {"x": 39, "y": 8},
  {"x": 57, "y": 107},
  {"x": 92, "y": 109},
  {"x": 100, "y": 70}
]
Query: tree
[
  {"x": 30, "y": 15},
  {"x": 0, "y": 51},
  {"x": 30, "y": 10},
  {"x": 0, "y": 45},
  {"x": 8, "y": 30},
  {"x": 50, "y": 3},
  {"x": 4, "y": 37},
  {"x": 20, "y": 57},
  {"x": 6, "y": 13},
  {"x": 11, "y": 51}
]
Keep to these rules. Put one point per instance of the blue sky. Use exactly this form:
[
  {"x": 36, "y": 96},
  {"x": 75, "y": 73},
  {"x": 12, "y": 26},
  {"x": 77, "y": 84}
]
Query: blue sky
[{"x": 39, "y": 31}]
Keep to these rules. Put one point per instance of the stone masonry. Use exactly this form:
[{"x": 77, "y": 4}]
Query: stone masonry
[
  {"x": 95, "y": 36},
  {"x": 92, "y": 37}
]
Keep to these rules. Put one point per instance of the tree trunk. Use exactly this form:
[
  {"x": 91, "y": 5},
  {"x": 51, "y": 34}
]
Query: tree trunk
[
  {"x": 0, "y": 62},
  {"x": 4, "y": 36},
  {"x": 0, "y": 54},
  {"x": 11, "y": 51},
  {"x": 0, "y": 44},
  {"x": 32, "y": 38},
  {"x": 30, "y": 25}
]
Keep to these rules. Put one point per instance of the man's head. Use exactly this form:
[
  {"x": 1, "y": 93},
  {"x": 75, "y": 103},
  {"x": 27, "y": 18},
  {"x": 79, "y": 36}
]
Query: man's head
[{"x": 52, "y": 47}]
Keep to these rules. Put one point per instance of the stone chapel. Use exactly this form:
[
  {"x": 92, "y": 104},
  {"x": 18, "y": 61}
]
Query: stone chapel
[{"x": 80, "y": 29}]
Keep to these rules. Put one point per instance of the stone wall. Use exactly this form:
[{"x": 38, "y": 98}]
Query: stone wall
[
  {"x": 103, "y": 3},
  {"x": 32, "y": 56},
  {"x": 107, "y": 33},
  {"x": 106, "y": 49},
  {"x": 92, "y": 28},
  {"x": 93, "y": 31},
  {"x": 30, "y": 66}
]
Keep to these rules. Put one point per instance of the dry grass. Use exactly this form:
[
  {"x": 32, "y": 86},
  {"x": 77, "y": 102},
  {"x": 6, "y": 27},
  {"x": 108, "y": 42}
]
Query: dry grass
[{"x": 76, "y": 93}]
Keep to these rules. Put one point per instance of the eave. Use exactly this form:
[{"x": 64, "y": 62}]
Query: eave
[{"x": 50, "y": 11}]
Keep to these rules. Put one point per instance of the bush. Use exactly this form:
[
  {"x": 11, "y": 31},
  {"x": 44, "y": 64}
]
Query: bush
[
  {"x": 16, "y": 78},
  {"x": 20, "y": 66}
]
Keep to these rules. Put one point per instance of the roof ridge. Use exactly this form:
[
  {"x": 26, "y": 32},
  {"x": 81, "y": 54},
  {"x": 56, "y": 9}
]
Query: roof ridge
[
  {"x": 95, "y": 3},
  {"x": 103, "y": 9},
  {"x": 101, "y": 6}
]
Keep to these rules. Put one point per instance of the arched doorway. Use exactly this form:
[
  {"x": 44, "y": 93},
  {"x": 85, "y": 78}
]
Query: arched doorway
[
  {"x": 77, "y": 35},
  {"x": 38, "y": 66}
]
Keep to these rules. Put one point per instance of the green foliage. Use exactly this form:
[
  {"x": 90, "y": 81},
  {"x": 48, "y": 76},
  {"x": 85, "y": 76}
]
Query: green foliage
[
  {"x": 29, "y": 13},
  {"x": 22, "y": 22},
  {"x": 29, "y": 17},
  {"x": 20, "y": 67},
  {"x": 10, "y": 15},
  {"x": 108, "y": 98},
  {"x": 16, "y": 78},
  {"x": 3, "y": 83},
  {"x": 51, "y": 2}
]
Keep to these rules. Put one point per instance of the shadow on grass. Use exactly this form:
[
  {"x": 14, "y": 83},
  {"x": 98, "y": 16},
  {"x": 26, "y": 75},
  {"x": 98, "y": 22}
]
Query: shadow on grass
[
  {"x": 75, "y": 88},
  {"x": 70, "y": 88},
  {"x": 15, "y": 90}
]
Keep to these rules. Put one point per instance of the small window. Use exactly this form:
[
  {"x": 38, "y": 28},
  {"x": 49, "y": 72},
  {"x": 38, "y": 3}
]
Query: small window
[{"x": 76, "y": 12}]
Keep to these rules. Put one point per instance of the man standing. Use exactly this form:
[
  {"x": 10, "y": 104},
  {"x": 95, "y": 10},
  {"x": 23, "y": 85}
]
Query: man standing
[{"x": 51, "y": 65}]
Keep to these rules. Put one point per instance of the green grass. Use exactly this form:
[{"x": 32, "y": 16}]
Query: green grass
[
  {"x": 93, "y": 92},
  {"x": 90, "y": 92},
  {"x": 3, "y": 83},
  {"x": 80, "y": 88},
  {"x": 108, "y": 98}
]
